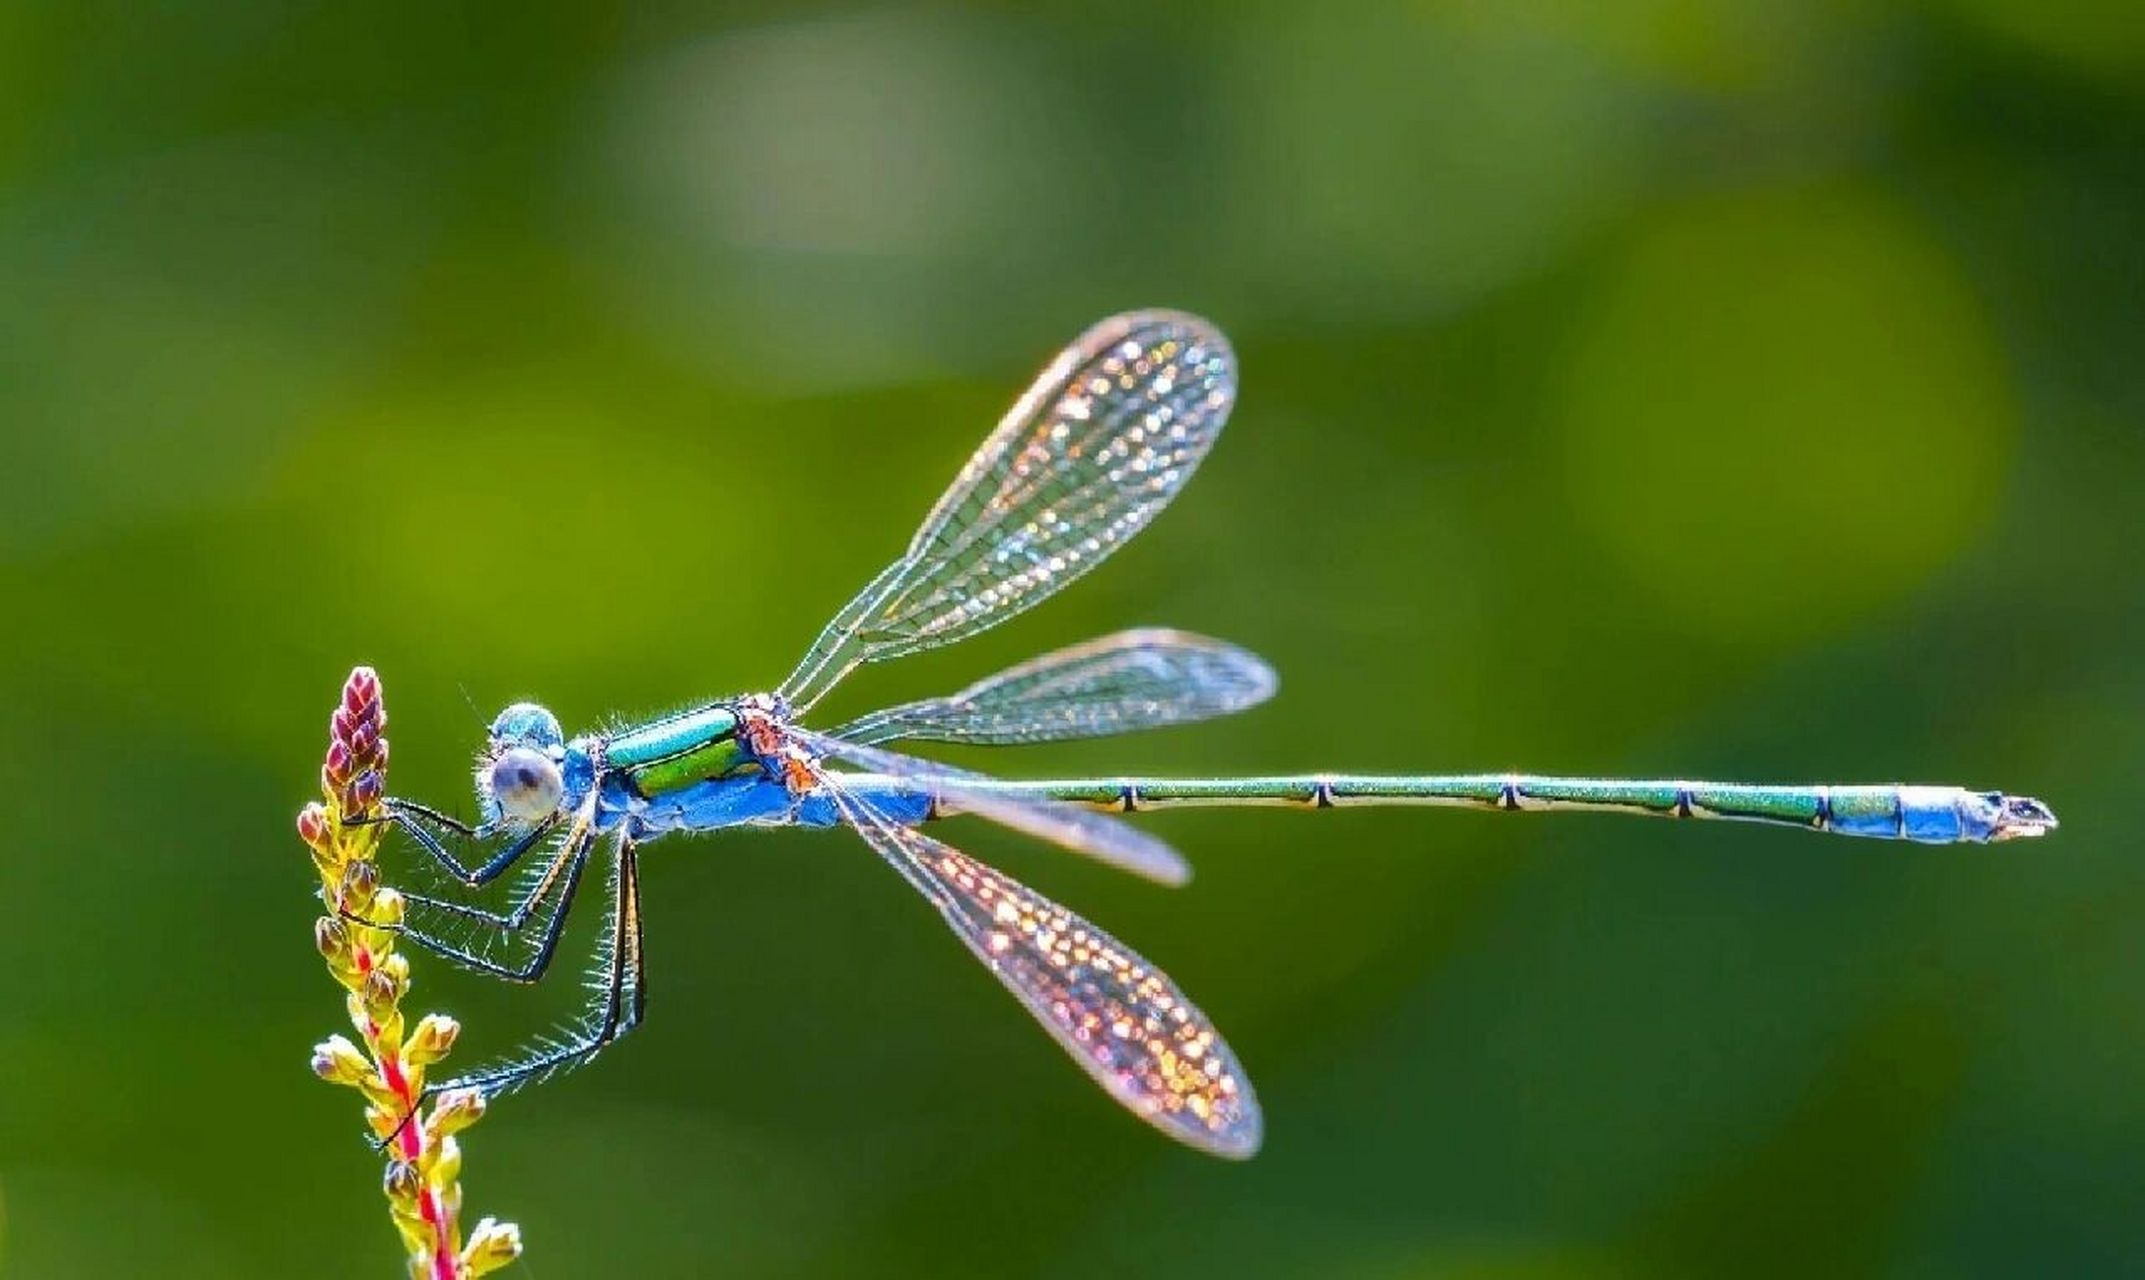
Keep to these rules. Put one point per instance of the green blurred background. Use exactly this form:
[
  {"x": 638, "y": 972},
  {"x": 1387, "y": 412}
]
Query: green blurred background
[{"x": 1702, "y": 387}]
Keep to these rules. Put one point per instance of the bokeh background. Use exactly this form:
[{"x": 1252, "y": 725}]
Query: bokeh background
[{"x": 1691, "y": 387}]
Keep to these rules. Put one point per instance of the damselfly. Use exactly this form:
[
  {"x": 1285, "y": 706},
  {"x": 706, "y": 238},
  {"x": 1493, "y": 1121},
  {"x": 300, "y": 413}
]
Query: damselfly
[{"x": 1101, "y": 442}]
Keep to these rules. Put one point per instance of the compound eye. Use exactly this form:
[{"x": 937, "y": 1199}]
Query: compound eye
[
  {"x": 527, "y": 724},
  {"x": 526, "y": 784}
]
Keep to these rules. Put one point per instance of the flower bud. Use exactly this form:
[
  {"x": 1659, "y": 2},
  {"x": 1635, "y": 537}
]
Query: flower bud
[
  {"x": 442, "y": 1162},
  {"x": 432, "y": 1039},
  {"x": 360, "y": 880},
  {"x": 361, "y": 689},
  {"x": 402, "y": 1182},
  {"x": 454, "y": 1111},
  {"x": 331, "y": 939},
  {"x": 338, "y": 1061},
  {"x": 492, "y": 1245},
  {"x": 388, "y": 908},
  {"x": 381, "y": 993},
  {"x": 313, "y": 825},
  {"x": 364, "y": 792}
]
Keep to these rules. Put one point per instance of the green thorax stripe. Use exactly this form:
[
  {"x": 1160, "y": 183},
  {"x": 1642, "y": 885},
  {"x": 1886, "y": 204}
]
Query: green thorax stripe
[
  {"x": 714, "y": 760},
  {"x": 678, "y": 750}
]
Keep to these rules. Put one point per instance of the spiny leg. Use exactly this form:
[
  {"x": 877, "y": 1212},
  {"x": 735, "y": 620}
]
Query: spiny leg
[
  {"x": 573, "y": 857},
  {"x": 430, "y": 814},
  {"x": 619, "y": 994},
  {"x": 410, "y": 817},
  {"x": 516, "y": 917},
  {"x": 562, "y": 874},
  {"x": 631, "y": 903}
]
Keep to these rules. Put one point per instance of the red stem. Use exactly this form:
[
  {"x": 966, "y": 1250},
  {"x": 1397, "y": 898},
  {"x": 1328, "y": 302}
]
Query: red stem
[{"x": 445, "y": 1266}]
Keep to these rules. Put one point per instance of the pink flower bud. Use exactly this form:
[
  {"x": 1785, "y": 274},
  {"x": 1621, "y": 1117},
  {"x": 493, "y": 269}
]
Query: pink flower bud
[
  {"x": 313, "y": 825},
  {"x": 361, "y": 690}
]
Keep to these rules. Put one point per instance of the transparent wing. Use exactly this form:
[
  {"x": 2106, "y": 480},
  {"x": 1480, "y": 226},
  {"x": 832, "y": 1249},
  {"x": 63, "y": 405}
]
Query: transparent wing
[
  {"x": 1119, "y": 1017},
  {"x": 1106, "y": 436},
  {"x": 1084, "y": 831},
  {"x": 1142, "y": 679}
]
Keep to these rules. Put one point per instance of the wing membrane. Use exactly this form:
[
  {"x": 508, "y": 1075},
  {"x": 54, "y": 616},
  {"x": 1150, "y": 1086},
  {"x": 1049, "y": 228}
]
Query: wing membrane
[
  {"x": 1142, "y": 679},
  {"x": 1101, "y": 442},
  {"x": 1085, "y": 831},
  {"x": 1119, "y": 1017}
]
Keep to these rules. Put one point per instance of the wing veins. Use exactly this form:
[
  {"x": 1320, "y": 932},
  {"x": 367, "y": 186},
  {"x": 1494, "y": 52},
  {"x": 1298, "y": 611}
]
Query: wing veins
[{"x": 1127, "y": 1025}]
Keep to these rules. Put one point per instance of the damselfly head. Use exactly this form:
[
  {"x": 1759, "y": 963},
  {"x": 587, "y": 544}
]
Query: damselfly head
[{"x": 518, "y": 777}]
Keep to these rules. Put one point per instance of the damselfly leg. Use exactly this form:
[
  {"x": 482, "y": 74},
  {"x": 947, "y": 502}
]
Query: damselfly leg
[
  {"x": 411, "y": 817},
  {"x": 618, "y": 991},
  {"x": 548, "y": 900}
]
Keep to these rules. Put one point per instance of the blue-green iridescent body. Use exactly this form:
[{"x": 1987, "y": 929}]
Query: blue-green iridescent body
[
  {"x": 1107, "y": 435},
  {"x": 696, "y": 761},
  {"x": 1929, "y": 815}
]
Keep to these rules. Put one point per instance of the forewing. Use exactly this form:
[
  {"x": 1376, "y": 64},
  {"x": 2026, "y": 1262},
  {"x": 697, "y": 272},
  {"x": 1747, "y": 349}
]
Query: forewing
[
  {"x": 1101, "y": 442},
  {"x": 1119, "y": 1017},
  {"x": 1084, "y": 831},
  {"x": 1142, "y": 679}
]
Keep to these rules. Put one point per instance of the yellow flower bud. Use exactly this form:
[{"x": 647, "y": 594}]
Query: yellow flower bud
[
  {"x": 491, "y": 1246},
  {"x": 456, "y": 1110},
  {"x": 380, "y": 993},
  {"x": 360, "y": 881},
  {"x": 433, "y": 1037},
  {"x": 338, "y": 1061},
  {"x": 388, "y": 907},
  {"x": 442, "y": 1162}
]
